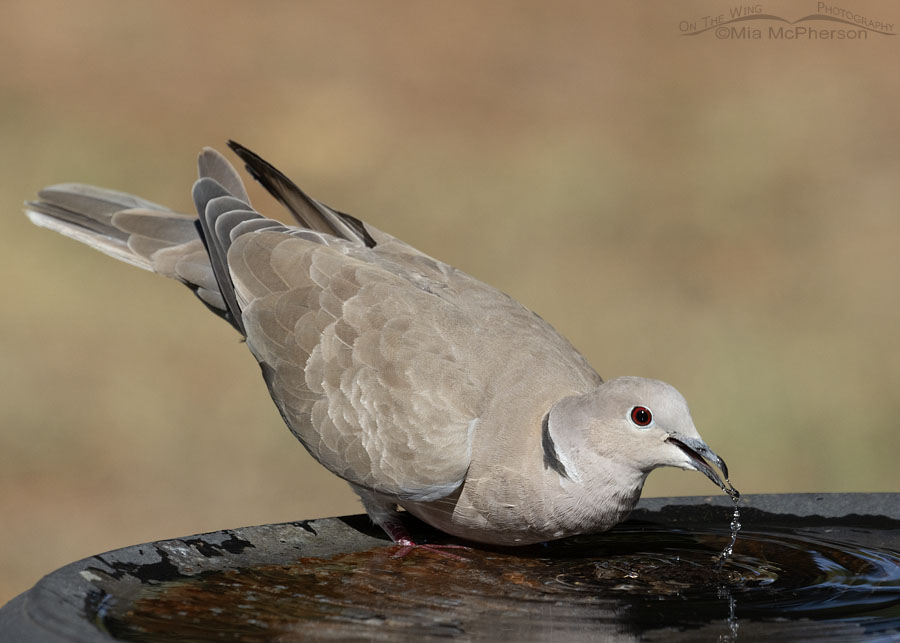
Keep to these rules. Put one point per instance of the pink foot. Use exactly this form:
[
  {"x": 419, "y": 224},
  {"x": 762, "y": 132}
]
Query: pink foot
[{"x": 405, "y": 545}]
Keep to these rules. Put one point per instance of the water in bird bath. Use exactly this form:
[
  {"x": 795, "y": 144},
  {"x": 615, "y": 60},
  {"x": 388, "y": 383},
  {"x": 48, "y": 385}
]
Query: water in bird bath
[{"x": 807, "y": 580}]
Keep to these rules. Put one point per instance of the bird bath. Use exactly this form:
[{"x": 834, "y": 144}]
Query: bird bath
[{"x": 806, "y": 566}]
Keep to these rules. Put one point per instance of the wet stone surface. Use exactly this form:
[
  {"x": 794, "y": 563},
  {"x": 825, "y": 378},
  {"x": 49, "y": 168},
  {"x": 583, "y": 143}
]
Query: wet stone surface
[
  {"x": 638, "y": 581},
  {"x": 804, "y": 567}
]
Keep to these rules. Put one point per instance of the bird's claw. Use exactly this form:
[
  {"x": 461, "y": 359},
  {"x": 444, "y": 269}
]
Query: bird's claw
[{"x": 405, "y": 546}]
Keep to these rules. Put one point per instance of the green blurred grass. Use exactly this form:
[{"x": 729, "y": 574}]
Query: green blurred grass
[{"x": 721, "y": 215}]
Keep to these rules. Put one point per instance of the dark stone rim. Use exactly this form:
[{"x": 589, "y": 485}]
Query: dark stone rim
[{"x": 61, "y": 605}]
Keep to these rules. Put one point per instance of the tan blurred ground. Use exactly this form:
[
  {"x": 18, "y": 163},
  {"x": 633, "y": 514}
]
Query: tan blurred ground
[{"x": 719, "y": 214}]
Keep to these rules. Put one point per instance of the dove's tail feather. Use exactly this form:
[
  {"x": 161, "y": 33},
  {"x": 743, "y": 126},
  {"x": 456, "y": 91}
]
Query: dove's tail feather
[
  {"x": 85, "y": 213},
  {"x": 132, "y": 230},
  {"x": 181, "y": 246}
]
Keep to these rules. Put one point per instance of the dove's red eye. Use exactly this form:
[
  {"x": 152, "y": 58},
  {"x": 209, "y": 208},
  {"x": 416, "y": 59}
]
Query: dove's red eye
[{"x": 641, "y": 416}]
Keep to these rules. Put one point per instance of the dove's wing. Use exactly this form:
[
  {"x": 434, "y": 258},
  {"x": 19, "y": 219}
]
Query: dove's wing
[
  {"x": 361, "y": 363},
  {"x": 360, "y": 355}
]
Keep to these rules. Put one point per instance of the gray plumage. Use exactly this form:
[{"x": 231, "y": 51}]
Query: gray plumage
[{"x": 416, "y": 383}]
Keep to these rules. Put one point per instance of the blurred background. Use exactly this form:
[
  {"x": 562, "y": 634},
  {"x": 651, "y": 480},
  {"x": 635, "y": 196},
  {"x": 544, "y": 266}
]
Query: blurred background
[{"x": 718, "y": 213}]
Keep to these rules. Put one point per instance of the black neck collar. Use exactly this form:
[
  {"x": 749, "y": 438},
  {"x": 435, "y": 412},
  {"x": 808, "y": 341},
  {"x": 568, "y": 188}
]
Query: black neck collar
[{"x": 551, "y": 457}]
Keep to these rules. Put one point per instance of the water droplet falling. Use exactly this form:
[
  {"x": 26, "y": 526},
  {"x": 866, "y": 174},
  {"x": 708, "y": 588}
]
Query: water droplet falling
[{"x": 735, "y": 524}]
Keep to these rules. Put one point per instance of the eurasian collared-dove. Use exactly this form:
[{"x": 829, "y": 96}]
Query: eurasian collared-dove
[{"x": 419, "y": 385}]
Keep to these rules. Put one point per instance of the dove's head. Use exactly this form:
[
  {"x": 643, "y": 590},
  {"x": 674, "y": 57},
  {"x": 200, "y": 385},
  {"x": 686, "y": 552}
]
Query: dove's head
[{"x": 632, "y": 423}]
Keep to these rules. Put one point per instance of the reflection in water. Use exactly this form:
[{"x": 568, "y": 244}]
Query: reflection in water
[{"x": 637, "y": 581}]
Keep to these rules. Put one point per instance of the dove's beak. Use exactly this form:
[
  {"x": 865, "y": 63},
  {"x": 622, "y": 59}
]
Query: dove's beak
[{"x": 700, "y": 456}]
